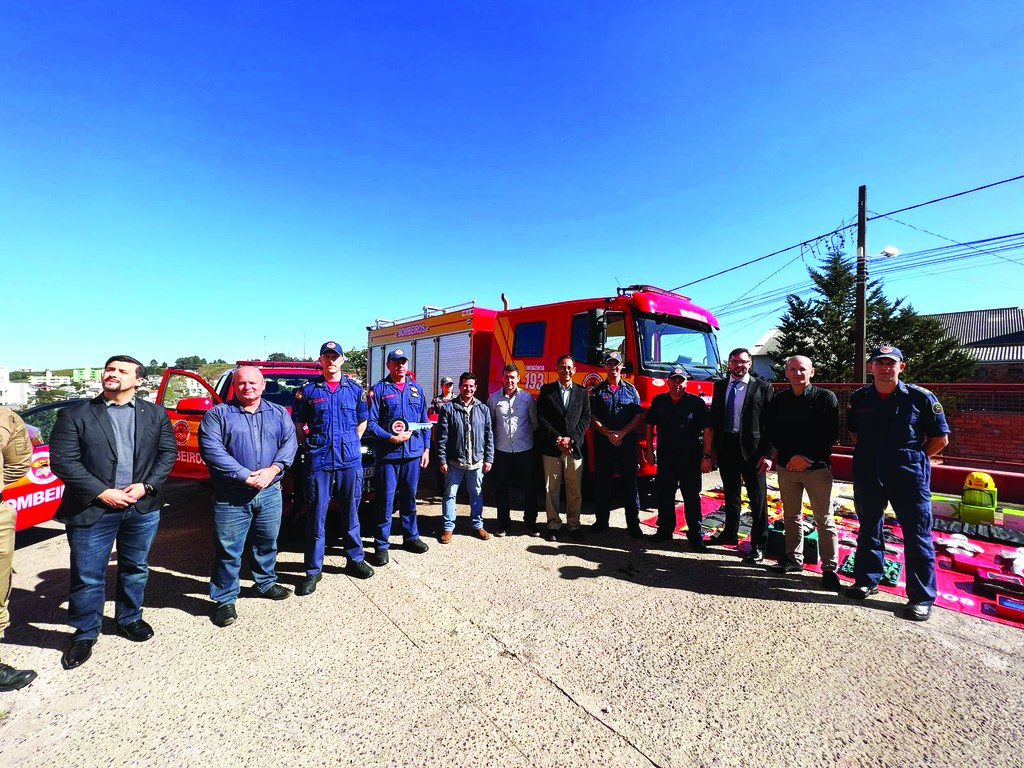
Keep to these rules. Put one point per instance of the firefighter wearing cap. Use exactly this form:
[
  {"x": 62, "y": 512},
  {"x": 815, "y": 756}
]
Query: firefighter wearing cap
[
  {"x": 446, "y": 396},
  {"x": 615, "y": 415},
  {"x": 398, "y": 457},
  {"x": 334, "y": 411},
  {"x": 682, "y": 424},
  {"x": 896, "y": 427}
]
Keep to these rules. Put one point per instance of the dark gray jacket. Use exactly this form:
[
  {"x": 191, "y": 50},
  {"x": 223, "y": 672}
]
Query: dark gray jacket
[{"x": 455, "y": 422}]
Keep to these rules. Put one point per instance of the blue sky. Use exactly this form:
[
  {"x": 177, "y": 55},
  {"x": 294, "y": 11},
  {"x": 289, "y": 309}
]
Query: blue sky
[{"x": 187, "y": 178}]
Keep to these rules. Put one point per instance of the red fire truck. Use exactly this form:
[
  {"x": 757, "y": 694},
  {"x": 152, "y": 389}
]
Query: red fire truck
[{"x": 654, "y": 330}]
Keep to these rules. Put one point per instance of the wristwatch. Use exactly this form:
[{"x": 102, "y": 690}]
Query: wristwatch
[
  {"x": 706, "y": 456},
  {"x": 149, "y": 489}
]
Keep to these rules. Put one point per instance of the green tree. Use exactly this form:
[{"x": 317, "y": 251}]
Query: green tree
[
  {"x": 278, "y": 357},
  {"x": 44, "y": 396},
  {"x": 822, "y": 326},
  {"x": 355, "y": 362},
  {"x": 190, "y": 363}
]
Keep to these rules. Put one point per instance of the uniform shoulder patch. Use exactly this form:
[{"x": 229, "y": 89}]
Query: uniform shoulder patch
[
  {"x": 298, "y": 394},
  {"x": 936, "y": 407},
  {"x": 362, "y": 396}
]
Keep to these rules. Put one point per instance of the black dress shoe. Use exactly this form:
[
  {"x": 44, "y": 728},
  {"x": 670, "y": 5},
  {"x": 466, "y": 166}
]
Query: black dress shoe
[
  {"x": 379, "y": 558},
  {"x": 416, "y": 546},
  {"x": 756, "y": 555},
  {"x": 722, "y": 540},
  {"x": 77, "y": 654},
  {"x": 662, "y": 536},
  {"x": 225, "y": 614},
  {"x": 308, "y": 585},
  {"x": 831, "y": 582},
  {"x": 786, "y": 566},
  {"x": 698, "y": 546},
  {"x": 12, "y": 679},
  {"x": 598, "y": 527},
  {"x": 531, "y": 529},
  {"x": 860, "y": 591},
  {"x": 137, "y": 631},
  {"x": 551, "y": 534},
  {"x": 359, "y": 570},
  {"x": 576, "y": 534},
  {"x": 276, "y": 592},
  {"x": 917, "y": 611},
  {"x": 636, "y": 533}
]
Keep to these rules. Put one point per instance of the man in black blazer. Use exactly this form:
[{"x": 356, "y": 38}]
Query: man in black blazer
[
  {"x": 113, "y": 453},
  {"x": 563, "y": 415},
  {"x": 740, "y": 444}
]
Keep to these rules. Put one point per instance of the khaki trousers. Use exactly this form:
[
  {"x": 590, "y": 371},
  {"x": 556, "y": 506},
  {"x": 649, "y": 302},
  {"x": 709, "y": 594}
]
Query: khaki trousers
[
  {"x": 8, "y": 516},
  {"x": 555, "y": 469},
  {"x": 818, "y": 484}
]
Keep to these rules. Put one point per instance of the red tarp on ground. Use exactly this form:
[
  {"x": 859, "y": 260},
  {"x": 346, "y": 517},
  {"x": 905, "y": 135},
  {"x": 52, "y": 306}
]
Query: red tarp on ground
[{"x": 955, "y": 589}]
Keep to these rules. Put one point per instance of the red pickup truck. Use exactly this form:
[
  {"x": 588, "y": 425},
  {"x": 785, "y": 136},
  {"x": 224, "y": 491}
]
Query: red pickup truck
[{"x": 187, "y": 397}]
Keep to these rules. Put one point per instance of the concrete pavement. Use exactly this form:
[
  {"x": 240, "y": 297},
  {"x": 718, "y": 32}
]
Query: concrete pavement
[{"x": 510, "y": 652}]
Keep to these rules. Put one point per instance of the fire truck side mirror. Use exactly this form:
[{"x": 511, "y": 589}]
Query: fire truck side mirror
[{"x": 597, "y": 333}]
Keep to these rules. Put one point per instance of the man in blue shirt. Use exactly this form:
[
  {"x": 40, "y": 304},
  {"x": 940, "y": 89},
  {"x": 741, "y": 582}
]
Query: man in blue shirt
[
  {"x": 615, "y": 415},
  {"x": 896, "y": 429},
  {"x": 397, "y": 401},
  {"x": 333, "y": 409},
  {"x": 247, "y": 443}
]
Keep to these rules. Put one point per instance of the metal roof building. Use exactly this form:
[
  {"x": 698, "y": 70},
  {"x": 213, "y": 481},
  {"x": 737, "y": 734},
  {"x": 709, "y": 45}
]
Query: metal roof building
[{"x": 988, "y": 335}]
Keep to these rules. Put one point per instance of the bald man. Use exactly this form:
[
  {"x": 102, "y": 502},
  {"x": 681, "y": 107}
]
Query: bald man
[
  {"x": 247, "y": 443},
  {"x": 803, "y": 425}
]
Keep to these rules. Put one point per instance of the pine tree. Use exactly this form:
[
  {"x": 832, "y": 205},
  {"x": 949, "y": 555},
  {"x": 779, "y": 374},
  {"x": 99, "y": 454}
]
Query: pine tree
[{"x": 822, "y": 327}]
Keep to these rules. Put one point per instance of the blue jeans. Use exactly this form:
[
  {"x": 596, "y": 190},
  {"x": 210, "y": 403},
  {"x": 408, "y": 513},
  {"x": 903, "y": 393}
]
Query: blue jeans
[
  {"x": 260, "y": 521},
  {"x": 474, "y": 481},
  {"x": 400, "y": 476},
  {"x": 90, "y": 552},
  {"x": 346, "y": 486}
]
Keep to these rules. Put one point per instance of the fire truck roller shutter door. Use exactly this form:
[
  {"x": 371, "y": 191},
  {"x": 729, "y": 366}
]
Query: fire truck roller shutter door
[
  {"x": 453, "y": 356},
  {"x": 375, "y": 366},
  {"x": 425, "y": 368}
]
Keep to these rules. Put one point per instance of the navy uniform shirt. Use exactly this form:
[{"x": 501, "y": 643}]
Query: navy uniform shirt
[
  {"x": 615, "y": 409},
  {"x": 679, "y": 427},
  {"x": 387, "y": 403},
  {"x": 891, "y": 433},
  {"x": 332, "y": 419}
]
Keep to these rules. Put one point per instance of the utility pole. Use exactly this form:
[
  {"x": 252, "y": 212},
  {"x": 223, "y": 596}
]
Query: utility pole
[{"x": 861, "y": 309}]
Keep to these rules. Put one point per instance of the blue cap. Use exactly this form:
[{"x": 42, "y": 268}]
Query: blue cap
[
  {"x": 612, "y": 357},
  {"x": 890, "y": 352},
  {"x": 677, "y": 373},
  {"x": 332, "y": 346},
  {"x": 396, "y": 354}
]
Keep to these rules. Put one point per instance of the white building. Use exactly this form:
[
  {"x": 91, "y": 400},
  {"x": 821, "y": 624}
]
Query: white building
[{"x": 15, "y": 394}]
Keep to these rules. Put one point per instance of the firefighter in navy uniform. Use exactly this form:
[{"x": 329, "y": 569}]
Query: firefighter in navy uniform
[
  {"x": 334, "y": 410},
  {"x": 615, "y": 415},
  {"x": 399, "y": 455},
  {"x": 896, "y": 428},
  {"x": 682, "y": 424}
]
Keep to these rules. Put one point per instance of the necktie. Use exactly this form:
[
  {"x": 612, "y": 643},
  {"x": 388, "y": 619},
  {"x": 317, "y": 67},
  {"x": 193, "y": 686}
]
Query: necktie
[{"x": 730, "y": 404}]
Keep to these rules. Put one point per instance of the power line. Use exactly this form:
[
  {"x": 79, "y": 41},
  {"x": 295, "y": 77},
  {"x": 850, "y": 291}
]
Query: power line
[
  {"x": 841, "y": 229},
  {"x": 948, "y": 197}
]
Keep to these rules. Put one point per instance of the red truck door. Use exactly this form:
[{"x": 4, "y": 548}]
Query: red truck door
[{"x": 187, "y": 397}]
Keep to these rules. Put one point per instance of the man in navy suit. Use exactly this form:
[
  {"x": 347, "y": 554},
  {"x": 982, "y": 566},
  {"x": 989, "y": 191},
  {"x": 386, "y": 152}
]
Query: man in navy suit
[
  {"x": 740, "y": 444},
  {"x": 113, "y": 453}
]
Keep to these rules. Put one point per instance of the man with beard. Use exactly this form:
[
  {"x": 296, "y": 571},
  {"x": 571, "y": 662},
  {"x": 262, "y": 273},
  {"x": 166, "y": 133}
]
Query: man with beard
[{"x": 113, "y": 454}]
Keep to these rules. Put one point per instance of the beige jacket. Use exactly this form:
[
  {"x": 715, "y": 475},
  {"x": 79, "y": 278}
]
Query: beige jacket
[{"x": 15, "y": 447}]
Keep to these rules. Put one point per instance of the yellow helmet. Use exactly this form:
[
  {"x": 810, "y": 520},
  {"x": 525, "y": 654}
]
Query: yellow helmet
[{"x": 980, "y": 481}]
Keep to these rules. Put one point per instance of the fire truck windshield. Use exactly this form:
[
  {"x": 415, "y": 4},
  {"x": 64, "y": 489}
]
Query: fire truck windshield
[{"x": 668, "y": 342}]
